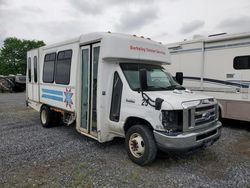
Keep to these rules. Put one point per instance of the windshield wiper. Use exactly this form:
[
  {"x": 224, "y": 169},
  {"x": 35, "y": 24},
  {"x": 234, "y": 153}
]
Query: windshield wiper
[
  {"x": 175, "y": 87},
  {"x": 152, "y": 88}
]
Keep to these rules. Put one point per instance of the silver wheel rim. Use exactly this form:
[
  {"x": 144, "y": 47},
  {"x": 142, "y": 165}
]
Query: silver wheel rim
[
  {"x": 136, "y": 145},
  {"x": 43, "y": 116}
]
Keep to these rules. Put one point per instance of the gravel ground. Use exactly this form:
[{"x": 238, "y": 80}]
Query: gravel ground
[{"x": 32, "y": 156}]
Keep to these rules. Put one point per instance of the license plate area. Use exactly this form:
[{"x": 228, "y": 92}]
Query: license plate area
[{"x": 206, "y": 135}]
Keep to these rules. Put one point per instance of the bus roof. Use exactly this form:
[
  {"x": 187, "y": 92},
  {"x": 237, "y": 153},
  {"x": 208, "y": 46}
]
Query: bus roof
[{"x": 121, "y": 46}]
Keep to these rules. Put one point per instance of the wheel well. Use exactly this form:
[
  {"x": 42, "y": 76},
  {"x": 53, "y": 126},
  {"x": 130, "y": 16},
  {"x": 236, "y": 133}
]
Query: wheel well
[
  {"x": 43, "y": 106},
  {"x": 220, "y": 111},
  {"x": 134, "y": 121},
  {"x": 54, "y": 109}
]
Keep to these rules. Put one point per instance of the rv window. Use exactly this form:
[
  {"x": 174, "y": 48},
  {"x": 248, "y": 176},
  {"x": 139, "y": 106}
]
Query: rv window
[
  {"x": 116, "y": 98},
  {"x": 35, "y": 69},
  {"x": 242, "y": 62},
  {"x": 63, "y": 65},
  {"x": 29, "y": 69},
  {"x": 48, "y": 68}
]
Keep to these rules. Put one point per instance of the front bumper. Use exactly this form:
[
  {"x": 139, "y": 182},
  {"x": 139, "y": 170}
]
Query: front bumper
[{"x": 189, "y": 140}]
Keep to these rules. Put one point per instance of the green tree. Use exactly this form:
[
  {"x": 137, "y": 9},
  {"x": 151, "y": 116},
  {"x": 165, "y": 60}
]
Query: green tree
[{"x": 13, "y": 55}]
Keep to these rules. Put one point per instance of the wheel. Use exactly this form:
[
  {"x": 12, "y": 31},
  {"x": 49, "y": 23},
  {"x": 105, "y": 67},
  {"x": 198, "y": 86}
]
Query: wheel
[
  {"x": 46, "y": 116},
  {"x": 140, "y": 145}
]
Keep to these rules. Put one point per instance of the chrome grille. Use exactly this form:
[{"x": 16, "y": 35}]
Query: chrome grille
[{"x": 205, "y": 113}]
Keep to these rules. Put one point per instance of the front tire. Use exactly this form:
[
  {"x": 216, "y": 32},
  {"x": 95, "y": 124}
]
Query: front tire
[
  {"x": 46, "y": 117},
  {"x": 140, "y": 145}
]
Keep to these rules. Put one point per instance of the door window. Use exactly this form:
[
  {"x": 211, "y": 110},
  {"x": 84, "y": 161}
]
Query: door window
[
  {"x": 29, "y": 69},
  {"x": 116, "y": 98},
  {"x": 85, "y": 88},
  {"x": 95, "y": 71},
  {"x": 90, "y": 58}
]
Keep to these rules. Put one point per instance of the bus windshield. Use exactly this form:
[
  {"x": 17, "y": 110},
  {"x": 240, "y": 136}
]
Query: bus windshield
[{"x": 157, "y": 78}]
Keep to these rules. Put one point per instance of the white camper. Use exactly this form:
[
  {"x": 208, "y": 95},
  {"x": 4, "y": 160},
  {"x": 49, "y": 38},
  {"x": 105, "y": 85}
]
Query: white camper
[
  {"x": 114, "y": 85},
  {"x": 219, "y": 66}
]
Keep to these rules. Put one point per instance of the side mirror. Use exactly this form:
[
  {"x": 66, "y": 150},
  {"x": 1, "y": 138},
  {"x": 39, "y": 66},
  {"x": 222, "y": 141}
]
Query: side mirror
[
  {"x": 158, "y": 103},
  {"x": 179, "y": 77},
  {"x": 143, "y": 79}
]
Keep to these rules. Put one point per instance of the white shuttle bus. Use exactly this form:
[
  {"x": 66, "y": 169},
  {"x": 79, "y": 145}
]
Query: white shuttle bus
[
  {"x": 218, "y": 66},
  {"x": 114, "y": 85}
]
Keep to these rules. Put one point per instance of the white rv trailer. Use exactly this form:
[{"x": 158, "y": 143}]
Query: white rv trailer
[
  {"x": 94, "y": 80},
  {"x": 219, "y": 66}
]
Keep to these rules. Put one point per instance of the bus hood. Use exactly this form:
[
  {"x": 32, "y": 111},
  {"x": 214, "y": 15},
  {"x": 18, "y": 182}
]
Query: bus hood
[{"x": 176, "y": 98}]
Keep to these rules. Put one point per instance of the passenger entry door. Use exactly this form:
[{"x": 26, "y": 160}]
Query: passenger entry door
[
  {"x": 33, "y": 78},
  {"x": 90, "y": 60}
]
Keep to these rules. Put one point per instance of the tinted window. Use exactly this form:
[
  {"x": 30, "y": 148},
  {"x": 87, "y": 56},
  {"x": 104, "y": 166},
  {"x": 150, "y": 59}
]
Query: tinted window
[
  {"x": 35, "y": 69},
  {"x": 116, "y": 98},
  {"x": 242, "y": 62},
  {"x": 63, "y": 66},
  {"x": 29, "y": 69},
  {"x": 48, "y": 68}
]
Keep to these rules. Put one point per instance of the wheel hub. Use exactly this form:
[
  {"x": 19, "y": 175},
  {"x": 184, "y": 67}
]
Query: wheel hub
[
  {"x": 136, "y": 145},
  {"x": 43, "y": 117}
]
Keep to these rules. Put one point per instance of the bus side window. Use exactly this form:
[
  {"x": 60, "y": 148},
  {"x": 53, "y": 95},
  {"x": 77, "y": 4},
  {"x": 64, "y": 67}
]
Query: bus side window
[
  {"x": 29, "y": 69},
  {"x": 48, "y": 68},
  {"x": 35, "y": 69},
  {"x": 116, "y": 98},
  {"x": 63, "y": 66}
]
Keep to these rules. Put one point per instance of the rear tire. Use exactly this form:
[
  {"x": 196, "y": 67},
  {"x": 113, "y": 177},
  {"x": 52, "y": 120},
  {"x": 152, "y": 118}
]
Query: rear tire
[
  {"x": 140, "y": 145},
  {"x": 57, "y": 118},
  {"x": 46, "y": 116}
]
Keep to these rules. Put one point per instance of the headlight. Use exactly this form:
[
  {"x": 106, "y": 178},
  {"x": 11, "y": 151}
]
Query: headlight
[{"x": 172, "y": 120}]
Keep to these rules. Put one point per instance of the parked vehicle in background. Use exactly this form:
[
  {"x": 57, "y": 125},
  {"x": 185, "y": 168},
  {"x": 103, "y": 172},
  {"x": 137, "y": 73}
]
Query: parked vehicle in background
[
  {"x": 12, "y": 83},
  {"x": 219, "y": 66},
  {"x": 114, "y": 85}
]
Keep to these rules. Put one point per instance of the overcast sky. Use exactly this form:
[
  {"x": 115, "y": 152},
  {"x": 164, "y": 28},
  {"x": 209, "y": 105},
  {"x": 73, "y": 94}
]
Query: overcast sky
[{"x": 162, "y": 20}]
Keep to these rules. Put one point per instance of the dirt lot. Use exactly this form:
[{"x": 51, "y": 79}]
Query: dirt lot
[{"x": 31, "y": 156}]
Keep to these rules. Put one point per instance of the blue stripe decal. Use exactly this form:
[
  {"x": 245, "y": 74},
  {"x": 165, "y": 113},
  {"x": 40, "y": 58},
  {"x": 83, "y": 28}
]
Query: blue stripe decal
[
  {"x": 54, "y": 92},
  {"x": 52, "y": 97}
]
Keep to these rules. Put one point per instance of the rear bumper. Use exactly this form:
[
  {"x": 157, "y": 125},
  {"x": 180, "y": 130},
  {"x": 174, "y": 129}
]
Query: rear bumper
[{"x": 189, "y": 141}]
